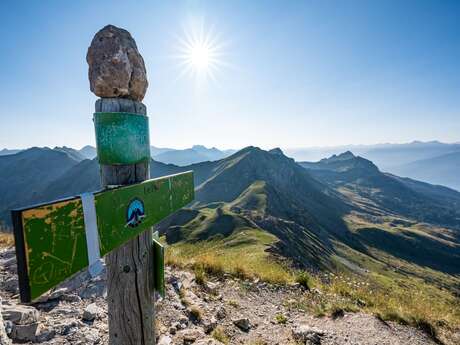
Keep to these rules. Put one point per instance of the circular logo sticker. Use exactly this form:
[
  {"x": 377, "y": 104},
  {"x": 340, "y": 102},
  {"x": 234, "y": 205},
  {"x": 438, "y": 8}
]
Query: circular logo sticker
[{"x": 135, "y": 213}]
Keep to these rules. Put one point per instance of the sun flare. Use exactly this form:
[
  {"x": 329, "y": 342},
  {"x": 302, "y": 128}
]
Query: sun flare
[{"x": 200, "y": 53}]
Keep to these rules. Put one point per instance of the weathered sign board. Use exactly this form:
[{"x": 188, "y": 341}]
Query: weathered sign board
[{"x": 54, "y": 240}]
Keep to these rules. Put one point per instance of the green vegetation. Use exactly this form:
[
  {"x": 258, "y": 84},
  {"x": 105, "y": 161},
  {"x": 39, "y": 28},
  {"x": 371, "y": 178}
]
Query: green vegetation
[
  {"x": 200, "y": 274},
  {"x": 219, "y": 335},
  {"x": 304, "y": 279},
  {"x": 6, "y": 240},
  {"x": 243, "y": 253},
  {"x": 281, "y": 318}
]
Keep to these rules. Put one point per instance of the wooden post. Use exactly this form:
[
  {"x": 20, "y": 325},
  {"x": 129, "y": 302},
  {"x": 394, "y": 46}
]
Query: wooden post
[
  {"x": 129, "y": 268},
  {"x": 117, "y": 74}
]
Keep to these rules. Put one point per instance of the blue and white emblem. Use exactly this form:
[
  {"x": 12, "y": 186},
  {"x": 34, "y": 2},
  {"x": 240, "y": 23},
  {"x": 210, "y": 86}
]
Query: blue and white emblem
[{"x": 135, "y": 213}]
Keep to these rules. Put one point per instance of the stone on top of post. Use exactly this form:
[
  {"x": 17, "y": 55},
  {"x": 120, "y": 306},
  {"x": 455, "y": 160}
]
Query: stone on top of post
[{"x": 116, "y": 68}]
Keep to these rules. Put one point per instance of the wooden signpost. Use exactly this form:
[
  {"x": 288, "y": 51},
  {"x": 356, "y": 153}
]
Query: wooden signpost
[
  {"x": 56, "y": 240},
  {"x": 52, "y": 243}
]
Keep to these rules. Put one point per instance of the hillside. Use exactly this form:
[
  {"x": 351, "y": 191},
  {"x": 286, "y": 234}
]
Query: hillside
[
  {"x": 43, "y": 174},
  {"x": 25, "y": 175},
  {"x": 370, "y": 189},
  {"x": 341, "y": 215}
]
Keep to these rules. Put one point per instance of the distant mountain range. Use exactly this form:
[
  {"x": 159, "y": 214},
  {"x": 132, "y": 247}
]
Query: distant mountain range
[
  {"x": 325, "y": 214},
  {"x": 5, "y": 152},
  {"x": 196, "y": 154},
  {"x": 432, "y": 162},
  {"x": 181, "y": 157}
]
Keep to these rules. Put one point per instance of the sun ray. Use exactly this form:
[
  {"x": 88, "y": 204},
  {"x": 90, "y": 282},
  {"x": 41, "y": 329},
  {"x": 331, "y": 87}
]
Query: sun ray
[{"x": 200, "y": 53}]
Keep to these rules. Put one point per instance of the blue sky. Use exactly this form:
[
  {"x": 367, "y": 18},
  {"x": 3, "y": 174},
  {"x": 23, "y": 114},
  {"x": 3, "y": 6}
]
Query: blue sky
[{"x": 296, "y": 73}]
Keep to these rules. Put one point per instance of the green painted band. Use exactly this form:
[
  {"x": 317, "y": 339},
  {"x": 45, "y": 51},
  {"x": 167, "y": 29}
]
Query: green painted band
[{"x": 122, "y": 138}]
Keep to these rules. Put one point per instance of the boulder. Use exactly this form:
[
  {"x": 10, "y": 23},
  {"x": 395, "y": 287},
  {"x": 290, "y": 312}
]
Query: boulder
[
  {"x": 242, "y": 323},
  {"x": 164, "y": 340},
  {"x": 45, "y": 334},
  {"x": 91, "y": 312},
  {"x": 20, "y": 314},
  {"x": 25, "y": 332},
  {"x": 94, "y": 289},
  {"x": 116, "y": 68},
  {"x": 190, "y": 335},
  {"x": 307, "y": 335}
]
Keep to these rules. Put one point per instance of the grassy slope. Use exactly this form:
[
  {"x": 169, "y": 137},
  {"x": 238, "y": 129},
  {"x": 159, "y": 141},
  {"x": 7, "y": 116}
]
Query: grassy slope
[{"x": 370, "y": 279}]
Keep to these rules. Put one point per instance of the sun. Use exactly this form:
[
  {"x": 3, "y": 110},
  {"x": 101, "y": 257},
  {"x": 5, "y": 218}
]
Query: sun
[
  {"x": 199, "y": 56},
  {"x": 200, "y": 53}
]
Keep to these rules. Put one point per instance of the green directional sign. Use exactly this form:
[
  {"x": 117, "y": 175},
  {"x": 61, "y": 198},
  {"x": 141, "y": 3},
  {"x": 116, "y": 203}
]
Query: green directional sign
[{"x": 58, "y": 239}]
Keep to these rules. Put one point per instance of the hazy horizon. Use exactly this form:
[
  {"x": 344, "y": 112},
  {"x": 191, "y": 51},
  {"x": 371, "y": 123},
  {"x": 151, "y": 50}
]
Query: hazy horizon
[
  {"x": 292, "y": 75},
  {"x": 239, "y": 148}
]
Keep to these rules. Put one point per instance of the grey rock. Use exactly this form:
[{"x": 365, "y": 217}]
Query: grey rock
[
  {"x": 11, "y": 285},
  {"x": 212, "y": 287},
  {"x": 116, "y": 68},
  {"x": 71, "y": 298},
  {"x": 308, "y": 335},
  {"x": 20, "y": 314},
  {"x": 93, "y": 290},
  {"x": 242, "y": 323},
  {"x": 91, "y": 312},
  {"x": 175, "y": 327},
  {"x": 164, "y": 340},
  {"x": 91, "y": 336},
  {"x": 45, "y": 334},
  {"x": 64, "y": 311},
  {"x": 67, "y": 327},
  {"x": 183, "y": 320},
  {"x": 9, "y": 264},
  {"x": 25, "y": 332},
  {"x": 190, "y": 335},
  {"x": 3, "y": 332},
  {"x": 221, "y": 313},
  {"x": 209, "y": 325},
  {"x": 8, "y": 327}
]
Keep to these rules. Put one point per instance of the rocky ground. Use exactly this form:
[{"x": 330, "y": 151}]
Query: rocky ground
[{"x": 227, "y": 310}]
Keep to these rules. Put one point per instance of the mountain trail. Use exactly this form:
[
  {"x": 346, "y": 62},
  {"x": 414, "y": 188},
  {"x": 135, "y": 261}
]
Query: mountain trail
[{"x": 216, "y": 311}]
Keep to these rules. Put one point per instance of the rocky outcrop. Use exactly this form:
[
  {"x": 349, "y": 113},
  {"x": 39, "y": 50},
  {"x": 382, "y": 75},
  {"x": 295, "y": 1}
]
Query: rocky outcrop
[{"x": 116, "y": 68}]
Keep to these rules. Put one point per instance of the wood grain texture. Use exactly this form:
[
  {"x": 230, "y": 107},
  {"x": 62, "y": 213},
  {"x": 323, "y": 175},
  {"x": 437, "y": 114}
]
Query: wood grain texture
[{"x": 129, "y": 268}]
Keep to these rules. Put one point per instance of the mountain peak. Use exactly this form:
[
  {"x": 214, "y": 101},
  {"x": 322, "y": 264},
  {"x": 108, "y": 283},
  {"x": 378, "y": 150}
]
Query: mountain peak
[
  {"x": 277, "y": 151},
  {"x": 344, "y": 156}
]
